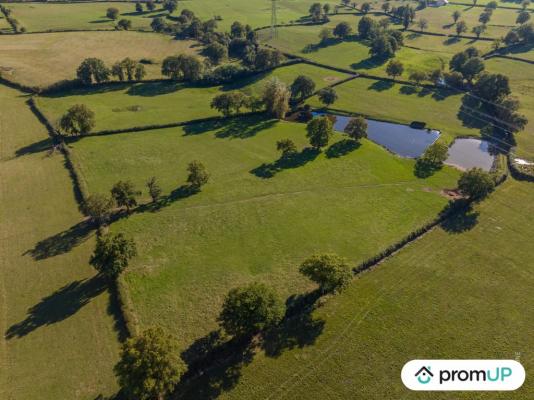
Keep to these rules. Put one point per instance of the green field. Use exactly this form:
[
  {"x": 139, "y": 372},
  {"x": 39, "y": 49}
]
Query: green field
[
  {"x": 402, "y": 104},
  {"x": 43, "y": 59},
  {"x": 124, "y": 106},
  {"x": 448, "y": 295},
  {"x": 58, "y": 340},
  {"x": 42, "y": 17},
  {"x": 243, "y": 227}
]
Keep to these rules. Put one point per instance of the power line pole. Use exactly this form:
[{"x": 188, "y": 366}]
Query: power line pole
[{"x": 274, "y": 22}]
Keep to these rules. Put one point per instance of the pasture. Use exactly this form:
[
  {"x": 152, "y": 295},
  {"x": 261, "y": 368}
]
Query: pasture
[
  {"x": 58, "y": 338},
  {"x": 257, "y": 219},
  {"x": 462, "y": 291},
  {"x": 125, "y": 106},
  {"x": 43, "y": 59},
  {"x": 404, "y": 104}
]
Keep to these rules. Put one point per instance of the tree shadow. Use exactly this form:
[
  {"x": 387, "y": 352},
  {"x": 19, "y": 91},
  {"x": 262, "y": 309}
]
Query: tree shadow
[
  {"x": 424, "y": 91},
  {"x": 451, "y": 40},
  {"x": 408, "y": 90},
  {"x": 62, "y": 242},
  {"x": 295, "y": 160},
  {"x": 341, "y": 148},
  {"x": 238, "y": 128},
  {"x": 299, "y": 328},
  {"x": 314, "y": 47},
  {"x": 244, "y": 82},
  {"x": 37, "y": 147},
  {"x": 60, "y": 305},
  {"x": 369, "y": 63},
  {"x": 461, "y": 221},
  {"x": 88, "y": 90},
  {"x": 380, "y": 86},
  {"x": 470, "y": 113},
  {"x": 154, "y": 88},
  {"x": 181, "y": 192},
  {"x": 100, "y": 21}
]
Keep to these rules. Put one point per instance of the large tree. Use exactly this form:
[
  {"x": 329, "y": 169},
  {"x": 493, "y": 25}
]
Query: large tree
[
  {"x": 328, "y": 96},
  {"x": 250, "y": 309},
  {"x": 342, "y": 30},
  {"x": 78, "y": 120},
  {"x": 319, "y": 131},
  {"x": 98, "y": 208},
  {"x": 476, "y": 184},
  {"x": 92, "y": 70},
  {"x": 198, "y": 175},
  {"x": 112, "y": 254},
  {"x": 303, "y": 86},
  {"x": 276, "y": 98},
  {"x": 183, "y": 67},
  {"x": 154, "y": 190},
  {"x": 112, "y": 13},
  {"x": 394, "y": 68},
  {"x": 124, "y": 194},
  {"x": 216, "y": 52},
  {"x": 356, "y": 128},
  {"x": 230, "y": 102},
  {"x": 150, "y": 365},
  {"x": 329, "y": 271}
]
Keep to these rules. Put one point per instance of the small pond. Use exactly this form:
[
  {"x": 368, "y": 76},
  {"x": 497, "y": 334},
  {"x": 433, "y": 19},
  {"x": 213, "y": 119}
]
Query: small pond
[
  {"x": 399, "y": 139},
  {"x": 469, "y": 153}
]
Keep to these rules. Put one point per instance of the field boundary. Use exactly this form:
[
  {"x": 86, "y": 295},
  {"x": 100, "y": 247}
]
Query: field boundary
[{"x": 471, "y": 5}]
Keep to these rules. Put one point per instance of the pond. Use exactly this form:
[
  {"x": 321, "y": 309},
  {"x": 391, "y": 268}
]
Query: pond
[
  {"x": 399, "y": 139},
  {"x": 468, "y": 153}
]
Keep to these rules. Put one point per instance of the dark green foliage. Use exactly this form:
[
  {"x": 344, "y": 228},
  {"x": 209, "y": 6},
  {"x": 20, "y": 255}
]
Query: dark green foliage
[
  {"x": 287, "y": 147},
  {"x": 367, "y": 28},
  {"x": 92, "y": 70},
  {"x": 319, "y": 131},
  {"x": 468, "y": 63},
  {"x": 356, "y": 128},
  {"x": 302, "y": 87},
  {"x": 316, "y": 12},
  {"x": 328, "y": 96},
  {"x": 112, "y": 13},
  {"x": 329, "y": 271},
  {"x": 250, "y": 309},
  {"x": 366, "y": 7},
  {"x": 394, "y": 68},
  {"x": 522, "y": 17},
  {"x": 78, "y": 120},
  {"x": 492, "y": 87},
  {"x": 267, "y": 58},
  {"x": 237, "y": 30},
  {"x": 124, "y": 193},
  {"x": 112, "y": 254},
  {"x": 476, "y": 184},
  {"x": 456, "y": 16},
  {"x": 216, "y": 52},
  {"x": 198, "y": 175},
  {"x": 150, "y": 365},
  {"x": 158, "y": 24},
  {"x": 154, "y": 190},
  {"x": 461, "y": 27},
  {"x": 432, "y": 159},
  {"x": 183, "y": 67},
  {"x": 98, "y": 208},
  {"x": 342, "y": 30},
  {"x": 485, "y": 17},
  {"x": 138, "y": 7},
  {"x": 125, "y": 69},
  {"x": 229, "y": 102},
  {"x": 150, "y": 5},
  {"x": 124, "y": 24},
  {"x": 170, "y": 5}
]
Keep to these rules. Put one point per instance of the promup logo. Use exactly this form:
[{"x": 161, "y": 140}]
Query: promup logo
[{"x": 463, "y": 375}]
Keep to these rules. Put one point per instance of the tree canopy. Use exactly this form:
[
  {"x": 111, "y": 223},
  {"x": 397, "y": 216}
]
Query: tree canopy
[{"x": 329, "y": 271}]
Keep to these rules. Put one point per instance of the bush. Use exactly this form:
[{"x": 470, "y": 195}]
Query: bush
[
  {"x": 476, "y": 184},
  {"x": 329, "y": 271}
]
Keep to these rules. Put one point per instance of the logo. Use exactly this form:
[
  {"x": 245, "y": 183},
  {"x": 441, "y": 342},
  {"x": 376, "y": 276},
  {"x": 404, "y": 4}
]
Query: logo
[
  {"x": 424, "y": 375},
  {"x": 479, "y": 375}
]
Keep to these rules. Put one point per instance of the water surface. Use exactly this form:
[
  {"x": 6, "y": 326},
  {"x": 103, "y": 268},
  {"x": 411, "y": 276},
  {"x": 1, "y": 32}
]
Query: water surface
[{"x": 470, "y": 153}]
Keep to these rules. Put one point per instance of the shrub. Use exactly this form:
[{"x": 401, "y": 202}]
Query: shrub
[{"x": 329, "y": 271}]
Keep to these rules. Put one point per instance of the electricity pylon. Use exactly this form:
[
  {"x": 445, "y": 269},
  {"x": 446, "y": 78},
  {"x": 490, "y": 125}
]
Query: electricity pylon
[{"x": 274, "y": 22}]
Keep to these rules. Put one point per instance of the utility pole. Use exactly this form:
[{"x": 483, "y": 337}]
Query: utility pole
[{"x": 274, "y": 22}]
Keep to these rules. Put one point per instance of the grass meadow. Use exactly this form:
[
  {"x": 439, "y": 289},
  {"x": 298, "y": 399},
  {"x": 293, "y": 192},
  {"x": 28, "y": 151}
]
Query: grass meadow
[
  {"x": 451, "y": 294},
  {"x": 257, "y": 218},
  {"x": 58, "y": 339},
  {"x": 124, "y": 106},
  {"x": 42, "y": 17},
  {"x": 403, "y": 104},
  {"x": 43, "y": 59}
]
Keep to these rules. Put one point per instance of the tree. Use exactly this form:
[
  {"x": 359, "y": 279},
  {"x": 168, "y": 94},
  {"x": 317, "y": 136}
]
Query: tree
[
  {"x": 492, "y": 5},
  {"x": 385, "y": 7},
  {"x": 316, "y": 11},
  {"x": 472, "y": 68},
  {"x": 158, "y": 24},
  {"x": 476, "y": 184},
  {"x": 367, "y": 27},
  {"x": 112, "y": 254},
  {"x": 124, "y": 193},
  {"x": 124, "y": 24},
  {"x": 276, "y": 98},
  {"x": 356, "y": 128},
  {"x": 342, "y": 30},
  {"x": 422, "y": 24},
  {"x": 325, "y": 35},
  {"x": 456, "y": 16},
  {"x": 479, "y": 30},
  {"x": 329, "y": 271},
  {"x": 237, "y": 30},
  {"x": 365, "y": 8},
  {"x": 92, "y": 70},
  {"x": 198, "y": 175},
  {"x": 461, "y": 27},
  {"x": 154, "y": 190},
  {"x": 319, "y": 131},
  {"x": 112, "y": 13},
  {"x": 170, "y": 5},
  {"x": 287, "y": 147},
  {"x": 216, "y": 52},
  {"x": 138, "y": 7},
  {"x": 150, "y": 5},
  {"x": 267, "y": 58},
  {"x": 184, "y": 66},
  {"x": 98, "y": 208},
  {"x": 250, "y": 309},
  {"x": 525, "y": 4},
  {"x": 434, "y": 156},
  {"x": 326, "y": 8},
  {"x": 394, "y": 68},
  {"x": 117, "y": 71},
  {"x": 522, "y": 17},
  {"x": 78, "y": 120},
  {"x": 229, "y": 102},
  {"x": 418, "y": 76},
  {"x": 492, "y": 87},
  {"x": 302, "y": 87},
  {"x": 485, "y": 17},
  {"x": 327, "y": 96},
  {"x": 383, "y": 46},
  {"x": 150, "y": 365},
  {"x": 140, "y": 72}
]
